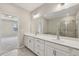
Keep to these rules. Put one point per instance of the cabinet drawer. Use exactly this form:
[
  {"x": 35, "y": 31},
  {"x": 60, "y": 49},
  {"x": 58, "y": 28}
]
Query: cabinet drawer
[
  {"x": 61, "y": 53},
  {"x": 39, "y": 46},
  {"x": 57, "y": 46},
  {"x": 40, "y": 41}
]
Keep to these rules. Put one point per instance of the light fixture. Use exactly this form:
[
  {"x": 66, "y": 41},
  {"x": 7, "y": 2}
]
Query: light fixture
[
  {"x": 36, "y": 15},
  {"x": 10, "y": 16},
  {"x": 58, "y": 7}
]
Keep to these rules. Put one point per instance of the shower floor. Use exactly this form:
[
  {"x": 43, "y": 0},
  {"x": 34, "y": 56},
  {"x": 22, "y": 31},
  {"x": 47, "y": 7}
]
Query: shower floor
[{"x": 8, "y": 44}]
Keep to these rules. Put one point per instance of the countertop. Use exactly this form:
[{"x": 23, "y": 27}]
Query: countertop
[{"x": 66, "y": 41}]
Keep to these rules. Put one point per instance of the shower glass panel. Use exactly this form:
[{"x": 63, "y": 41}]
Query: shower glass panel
[{"x": 8, "y": 33}]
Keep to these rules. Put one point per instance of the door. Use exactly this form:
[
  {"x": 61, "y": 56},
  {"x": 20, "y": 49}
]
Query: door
[{"x": 9, "y": 33}]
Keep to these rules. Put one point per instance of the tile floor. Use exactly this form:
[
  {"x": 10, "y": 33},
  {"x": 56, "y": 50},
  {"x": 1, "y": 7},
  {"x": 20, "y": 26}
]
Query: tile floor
[
  {"x": 8, "y": 47},
  {"x": 19, "y": 52},
  {"x": 7, "y": 44}
]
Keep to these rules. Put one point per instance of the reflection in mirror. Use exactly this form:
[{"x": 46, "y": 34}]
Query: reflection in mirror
[{"x": 67, "y": 27}]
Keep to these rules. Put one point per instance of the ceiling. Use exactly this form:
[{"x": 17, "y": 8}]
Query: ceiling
[
  {"x": 29, "y": 6},
  {"x": 69, "y": 10}
]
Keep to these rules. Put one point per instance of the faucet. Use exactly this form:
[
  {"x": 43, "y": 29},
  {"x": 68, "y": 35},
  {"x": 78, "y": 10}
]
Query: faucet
[
  {"x": 58, "y": 36},
  {"x": 36, "y": 33}
]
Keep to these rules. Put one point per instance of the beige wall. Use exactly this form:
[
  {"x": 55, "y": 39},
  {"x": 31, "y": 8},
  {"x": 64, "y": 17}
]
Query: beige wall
[{"x": 23, "y": 15}]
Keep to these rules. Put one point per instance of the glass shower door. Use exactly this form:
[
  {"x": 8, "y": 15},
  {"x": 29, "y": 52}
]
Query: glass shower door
[{"x": 8, "y": 34}]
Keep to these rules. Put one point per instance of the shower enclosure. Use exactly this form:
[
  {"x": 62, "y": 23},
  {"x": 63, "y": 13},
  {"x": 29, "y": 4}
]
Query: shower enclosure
[{"x": 8, "y": 32}]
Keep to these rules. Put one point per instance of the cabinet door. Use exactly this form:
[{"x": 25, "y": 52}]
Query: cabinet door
[
  {"x": 48, "y": 51},
  {"x": 39, "y": 47},
  {"x": 75, "y": 52},
  {"x": 61, "y": 53},
  {"x": 31, "y": 43}
]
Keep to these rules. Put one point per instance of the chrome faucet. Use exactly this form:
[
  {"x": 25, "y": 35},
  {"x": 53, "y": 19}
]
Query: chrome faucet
[
  {"x": 36, "y": 33},
  {"x": 58, "y": 36}
]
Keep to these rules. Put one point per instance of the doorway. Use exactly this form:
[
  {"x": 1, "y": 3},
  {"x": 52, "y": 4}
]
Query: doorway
[{"x": 8, "y": 33}]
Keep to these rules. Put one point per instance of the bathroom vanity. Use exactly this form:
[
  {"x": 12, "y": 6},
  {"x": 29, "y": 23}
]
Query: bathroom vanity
[{"x": 49, "y": 45}]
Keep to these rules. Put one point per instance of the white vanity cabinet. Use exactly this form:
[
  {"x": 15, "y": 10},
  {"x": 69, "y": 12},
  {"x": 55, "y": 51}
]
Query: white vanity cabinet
[{"x": 42, "y": 47}]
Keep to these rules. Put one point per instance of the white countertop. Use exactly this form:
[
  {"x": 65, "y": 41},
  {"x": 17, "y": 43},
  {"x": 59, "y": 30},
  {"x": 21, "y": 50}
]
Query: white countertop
[{"x": 66, "y": 41}]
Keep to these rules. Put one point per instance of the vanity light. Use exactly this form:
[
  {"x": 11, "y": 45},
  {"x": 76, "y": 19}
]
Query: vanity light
[
  {"x": 36, "y": 15},
  {"x": 58, "y": 7},
  {"x": 10, "y": 16}
]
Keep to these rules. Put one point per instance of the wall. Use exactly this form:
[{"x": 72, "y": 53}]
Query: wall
[{"x": 24, "y": 19}]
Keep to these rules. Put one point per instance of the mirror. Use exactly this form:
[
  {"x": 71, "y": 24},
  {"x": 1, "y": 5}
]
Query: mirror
[{"x": 66, "y": 26}]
